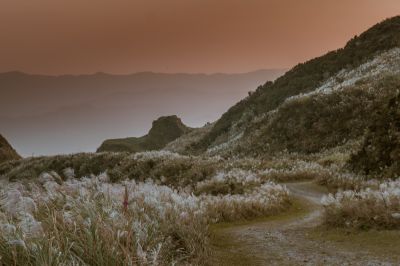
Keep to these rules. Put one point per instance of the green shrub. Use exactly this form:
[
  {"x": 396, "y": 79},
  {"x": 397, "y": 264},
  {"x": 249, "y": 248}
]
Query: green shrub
[
  {"x": 380, "y": 153},
  {"x": 173, "y": 170}
]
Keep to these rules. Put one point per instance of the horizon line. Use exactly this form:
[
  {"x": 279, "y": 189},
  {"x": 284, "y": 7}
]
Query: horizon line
[{"x": 143, "y": 72}]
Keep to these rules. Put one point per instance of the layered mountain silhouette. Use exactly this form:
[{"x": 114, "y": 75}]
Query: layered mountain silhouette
[{"x": 72, "y": 113}]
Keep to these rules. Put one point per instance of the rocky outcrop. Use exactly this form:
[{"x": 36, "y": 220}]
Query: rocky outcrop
[
  {"x": 164, "y": 130},
  {"x": 7, "y": 152}
]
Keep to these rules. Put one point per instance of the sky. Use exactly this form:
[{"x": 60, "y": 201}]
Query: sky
[{"x": 190, "y": 36}]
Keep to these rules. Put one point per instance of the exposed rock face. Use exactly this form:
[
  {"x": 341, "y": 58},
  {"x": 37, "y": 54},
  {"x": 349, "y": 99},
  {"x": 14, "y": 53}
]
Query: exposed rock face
[
  {"x": 164, "y": 130},
  {"x": 7, "y": 153}
]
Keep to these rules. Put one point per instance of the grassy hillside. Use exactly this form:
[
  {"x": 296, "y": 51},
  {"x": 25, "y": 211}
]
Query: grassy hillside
[
  {"x": 321, "y": 121},
  {"x": 164, "y": 130},
  {"x": 186, "y": 143},
  {"x": 306, "y": 77}
]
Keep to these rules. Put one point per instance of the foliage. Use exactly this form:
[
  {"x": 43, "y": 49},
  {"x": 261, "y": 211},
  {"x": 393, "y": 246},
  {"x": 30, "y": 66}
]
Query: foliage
[
  {"x": 368, "y": 208},
  {"x": 185, "y": 144},
  {"x": 380, "y": 153},
  {"x": 165, "y": 167},
  {"x": 315, "y": 123}
]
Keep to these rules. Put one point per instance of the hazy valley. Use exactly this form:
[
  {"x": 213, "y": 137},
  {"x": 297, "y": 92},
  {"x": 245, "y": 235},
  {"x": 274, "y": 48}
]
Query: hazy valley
[{"x": 76, "y": 113}]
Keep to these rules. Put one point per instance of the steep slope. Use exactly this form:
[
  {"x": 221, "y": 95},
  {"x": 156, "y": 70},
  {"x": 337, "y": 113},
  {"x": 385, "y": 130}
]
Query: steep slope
[
  {"x": 164, "y": 130},
  {"x": 338, "y": 111},
  {"x": 7, "y": 152},
  {"x": 238, "y": 121},
  {"x": 185, "y": 144}
]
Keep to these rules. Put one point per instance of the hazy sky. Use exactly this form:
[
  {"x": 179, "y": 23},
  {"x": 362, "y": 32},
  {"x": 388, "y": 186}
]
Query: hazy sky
[{"x": 124, "y": 36}]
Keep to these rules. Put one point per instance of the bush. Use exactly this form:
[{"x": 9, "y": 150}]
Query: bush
[
  {"x": 366, "y": 209},
  {"x": 380, "y": 153},
  {"x": 166, "y": 167}
]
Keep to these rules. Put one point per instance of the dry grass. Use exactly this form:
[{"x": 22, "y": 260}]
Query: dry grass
[
  {"x": 365, "y": 209},
  {"x": 53, "y": 220}
]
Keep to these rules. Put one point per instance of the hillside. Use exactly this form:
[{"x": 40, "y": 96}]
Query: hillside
[
  {"x": 7, "y": 152},
  {"x": 245, "y": 118},
  {"x": 186, "y": 143},
  {"x": 164, "y": 130},
  {"x": 339, "y": 111}
]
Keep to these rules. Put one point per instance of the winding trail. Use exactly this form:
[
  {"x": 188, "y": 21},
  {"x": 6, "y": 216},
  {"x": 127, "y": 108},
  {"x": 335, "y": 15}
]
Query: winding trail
[{"x": 285, "y": 239}]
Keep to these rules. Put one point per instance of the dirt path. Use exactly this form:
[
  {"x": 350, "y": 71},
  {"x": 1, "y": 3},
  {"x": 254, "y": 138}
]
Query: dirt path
[{"x": 288, "y": 239}]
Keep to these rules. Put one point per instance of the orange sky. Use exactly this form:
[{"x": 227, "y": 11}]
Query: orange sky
[{"x": 124, "y": 36}]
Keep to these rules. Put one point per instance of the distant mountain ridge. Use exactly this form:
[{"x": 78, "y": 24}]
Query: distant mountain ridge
[
  {"x": 74, "y": 113},
  {"x": 164, "y": 130}
]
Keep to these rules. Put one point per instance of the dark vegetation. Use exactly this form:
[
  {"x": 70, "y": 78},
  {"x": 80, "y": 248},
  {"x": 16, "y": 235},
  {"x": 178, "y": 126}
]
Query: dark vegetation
[
  {"x": 222, "y": 188},
  {"x": 175, "y": 171},
  {"x": 7, "y": 152},
  {"x": 316, "y": 123},
  {"x": 364, "y": 214},
  {"x": 380, "y": 153},
  {"x": 307, "y": 76},
  {"x": 164, "y": 130}
]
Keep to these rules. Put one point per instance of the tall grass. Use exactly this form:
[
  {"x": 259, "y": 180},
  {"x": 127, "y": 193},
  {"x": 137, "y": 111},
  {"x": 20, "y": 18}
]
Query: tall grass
[
  {"x": 368, "y": 208},
  {"x": 91, "y": 221}
]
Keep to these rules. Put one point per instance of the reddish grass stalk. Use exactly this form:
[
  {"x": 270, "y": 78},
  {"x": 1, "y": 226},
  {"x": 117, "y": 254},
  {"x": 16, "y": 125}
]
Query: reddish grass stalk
[{"x": 126, "y": 200}]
